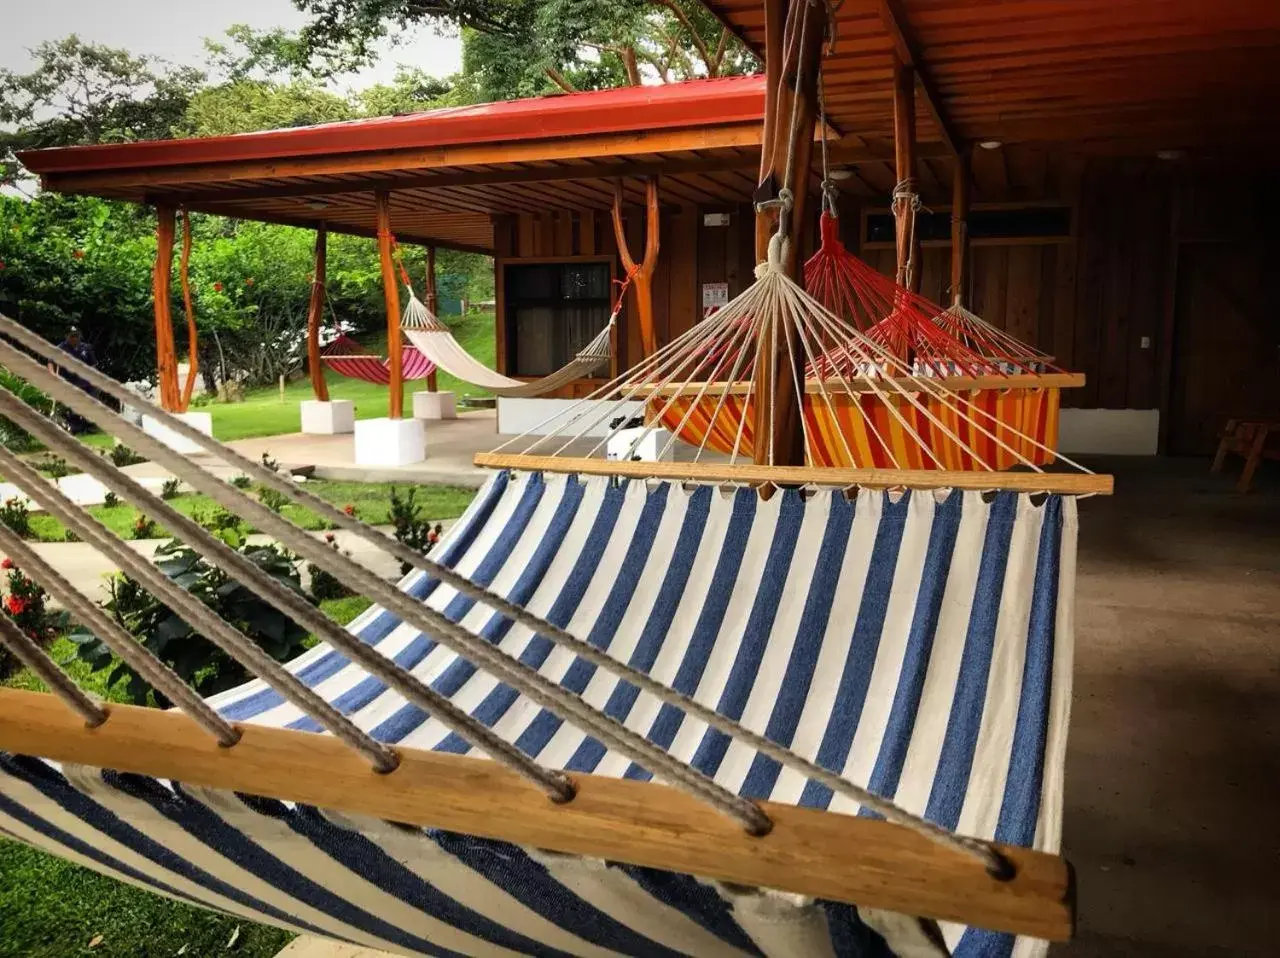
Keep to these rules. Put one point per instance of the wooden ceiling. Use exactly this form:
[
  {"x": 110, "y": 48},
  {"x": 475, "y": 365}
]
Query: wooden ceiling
[{"x": 1100, "y": 76}]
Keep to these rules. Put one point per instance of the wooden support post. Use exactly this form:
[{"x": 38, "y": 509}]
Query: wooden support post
[
  {"x": 433, "y": 304},
  {"x": 315, "y": 317},
  {"x": 391, "y": 293},
  {"x": 960, "y": 230},
  {"x": 904, "y": 154},
  {"x": 641, "y": 273},
  {"x": 778, "y": 425},
  {"x": 193, "y": 345},
  {"x": 161, "y": 291}
]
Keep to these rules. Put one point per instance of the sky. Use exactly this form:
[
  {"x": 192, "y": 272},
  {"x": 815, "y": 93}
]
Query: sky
[{"x": 175, "y": 30}]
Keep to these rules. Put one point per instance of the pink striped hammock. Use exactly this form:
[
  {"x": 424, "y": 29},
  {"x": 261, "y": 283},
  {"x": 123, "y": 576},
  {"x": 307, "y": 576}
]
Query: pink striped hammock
[{"x": 346, "y": 357}]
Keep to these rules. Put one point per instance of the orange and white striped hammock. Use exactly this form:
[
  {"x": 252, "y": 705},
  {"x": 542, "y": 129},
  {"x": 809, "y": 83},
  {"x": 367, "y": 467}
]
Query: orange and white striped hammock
[{"x": 864, "y": 432}]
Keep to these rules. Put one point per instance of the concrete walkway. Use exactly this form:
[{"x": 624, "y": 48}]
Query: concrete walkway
[
  {"x": 308, "y": 947},
  {"x": 88, "y": 569}
]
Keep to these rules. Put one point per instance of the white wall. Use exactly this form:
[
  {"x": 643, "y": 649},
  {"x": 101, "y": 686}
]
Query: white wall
[
  {"x": 1115, "y": 432},
  {"x": 568, "y": 417}
]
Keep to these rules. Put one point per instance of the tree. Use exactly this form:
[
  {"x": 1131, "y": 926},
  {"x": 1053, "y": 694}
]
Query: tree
[
  {"x": 523, "y": 47},
  {"x": 82, "y": 93}
]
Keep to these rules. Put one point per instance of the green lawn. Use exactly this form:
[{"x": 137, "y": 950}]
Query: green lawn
[
  {"x": 372, "y": 501},
  {"x": 263, "y": 414},
  {"x": 50, "y": 908}
]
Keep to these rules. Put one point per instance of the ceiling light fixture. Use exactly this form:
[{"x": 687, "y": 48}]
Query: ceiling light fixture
[
  {"x": 990, "y": 144},
  {"x": 317, "y": 204},
  {"x": 842, "y": 173},
  {"x": 1171, "y": 154}
]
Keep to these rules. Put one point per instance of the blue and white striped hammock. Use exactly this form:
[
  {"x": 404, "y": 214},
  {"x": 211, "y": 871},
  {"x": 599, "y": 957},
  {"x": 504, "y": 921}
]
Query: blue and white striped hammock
[{"x": 921, "y": 644}]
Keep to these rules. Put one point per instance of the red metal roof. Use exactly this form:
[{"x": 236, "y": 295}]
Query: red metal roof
[{"x": 694, "y": 103}]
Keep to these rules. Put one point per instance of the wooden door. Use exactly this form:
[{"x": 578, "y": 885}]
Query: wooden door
[{"x": 1226, "y": 361}]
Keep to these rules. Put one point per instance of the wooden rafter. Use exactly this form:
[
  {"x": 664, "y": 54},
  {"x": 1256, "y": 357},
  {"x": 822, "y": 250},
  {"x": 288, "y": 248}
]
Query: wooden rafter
[{"x": 907, "y": 49}]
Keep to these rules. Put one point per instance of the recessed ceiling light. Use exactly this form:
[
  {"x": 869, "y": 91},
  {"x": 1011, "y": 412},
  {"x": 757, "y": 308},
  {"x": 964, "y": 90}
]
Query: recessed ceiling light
[
  {"x": 990, "y": 144},
  {"x": 317, "y": 204},
  {"x": 1171, "y": 154},
  {"x": 842, "y": 173}
]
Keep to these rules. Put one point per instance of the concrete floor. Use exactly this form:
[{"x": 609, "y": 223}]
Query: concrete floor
[{"x": 1172, "y": 766}]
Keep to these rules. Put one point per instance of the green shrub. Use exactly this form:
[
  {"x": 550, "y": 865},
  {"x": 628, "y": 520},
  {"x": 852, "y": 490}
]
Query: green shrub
[
  {"x": 170, "y": 488},
  {"x": 241, "y": 481},
  {"x": 270, "y": 463},
  {"x": 144, "y": 527},
  {"x": 15, "y": 514},
  {"x": 55, "y": 467},
  {"x": 121, "y": 456},
  {"x": 110, "y": 500},
  {"x": 26, "y": 606},
  {"x": 273, "y": 500},
  {"x": 324, "y": 584},
  {"x": 200, "y": 663},
  {"x": 411, "y": 528}
]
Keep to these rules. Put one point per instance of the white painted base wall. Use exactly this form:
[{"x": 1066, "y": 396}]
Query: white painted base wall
[
  {"x": 1111, "y": 432},
  {"x": 199, "y": 421},
  {"x": 571, "y": 416},
  {"x": 336, "y": 417},
  {"x": 390, "y": 442}
]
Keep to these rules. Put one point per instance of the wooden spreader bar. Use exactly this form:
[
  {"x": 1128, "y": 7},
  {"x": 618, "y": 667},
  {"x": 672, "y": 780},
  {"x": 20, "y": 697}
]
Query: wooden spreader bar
[
  {"x": 888, "y": 385},
  {"x": 821, "y": 854},
  {"x": 1067, "y": 483}
]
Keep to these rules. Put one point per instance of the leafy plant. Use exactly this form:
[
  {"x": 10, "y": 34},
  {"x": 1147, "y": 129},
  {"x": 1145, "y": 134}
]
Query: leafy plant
[
  {"x": 324, "y": 584},
  {"x": 121, "y": 456},
  {"x": 241, "y": 481},
  {"x": 200, "y": 663},
  {"x": 69, "y": 536},
  {"x": 55, "y": 467},
  {"x": 272, "y": 499},
  {"x": 411, "y": 529},
  {"x": 144, "y": 527},
  {"x": 110, "y": 500},
  {"x": 26, "y": 606},
  {"x": 170, "y": 488},
  {"x": 15, "y": 514},
  {"x": 270, "y": 463}
]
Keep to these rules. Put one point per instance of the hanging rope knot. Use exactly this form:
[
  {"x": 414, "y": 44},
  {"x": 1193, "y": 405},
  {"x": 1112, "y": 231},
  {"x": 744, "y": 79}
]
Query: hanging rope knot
[
  {"x": 783, "y": 202},
  {"x": 623, "y": 284},
  {"x": 905, "y": 197},
  {"x": 830, "y": 197}
]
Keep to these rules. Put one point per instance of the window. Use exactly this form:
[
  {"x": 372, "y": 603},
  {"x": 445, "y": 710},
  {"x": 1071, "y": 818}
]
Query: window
[
  {"x": 552, "y": 310},
  {"x": 1030, "y": 221}
]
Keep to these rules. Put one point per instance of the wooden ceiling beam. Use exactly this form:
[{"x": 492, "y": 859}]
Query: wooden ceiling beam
[{"x": 894, "y": 18}]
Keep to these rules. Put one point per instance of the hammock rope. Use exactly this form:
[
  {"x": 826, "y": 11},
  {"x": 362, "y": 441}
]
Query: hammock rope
[
  {"x": 125, "y": 646},
  {"x": 33, "y": 657},
  {"x": 296, "y": 606},
  {"x": 557, "y": 700}
]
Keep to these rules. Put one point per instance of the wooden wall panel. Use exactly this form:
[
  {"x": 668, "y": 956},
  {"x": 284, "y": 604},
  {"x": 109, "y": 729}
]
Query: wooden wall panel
[{"x": 680, "y": 251}]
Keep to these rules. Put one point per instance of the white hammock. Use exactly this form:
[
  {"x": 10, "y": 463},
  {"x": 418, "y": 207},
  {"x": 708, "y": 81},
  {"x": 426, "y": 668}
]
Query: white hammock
[{"x": 433, "y": 339}]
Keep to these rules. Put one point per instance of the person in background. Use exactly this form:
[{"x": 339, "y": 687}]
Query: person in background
[{"x": 74, "y": 344}]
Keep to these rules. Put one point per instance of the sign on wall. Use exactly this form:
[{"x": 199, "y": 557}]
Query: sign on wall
[{"x": 715, "y": 295}]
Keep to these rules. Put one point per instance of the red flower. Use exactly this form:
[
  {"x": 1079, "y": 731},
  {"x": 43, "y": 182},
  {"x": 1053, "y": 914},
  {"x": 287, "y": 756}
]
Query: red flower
[
  {"x": 217, "y": 287},
  {"x": 249, "y": 281},
  {"x": 78, "y": 254},
  {"x": 16, "y": 604},
  {"x": 433, "y": 538},
  {"x": 1, "y": 264},
  {"x": 328, "y": 537},
  {"x": 349, "y": 509},
  {"x": 6, "y": 563}
]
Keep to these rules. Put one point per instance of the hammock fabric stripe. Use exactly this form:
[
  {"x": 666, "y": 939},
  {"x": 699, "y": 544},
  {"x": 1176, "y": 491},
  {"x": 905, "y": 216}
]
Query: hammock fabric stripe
[
  {"x": 872, "y": 431},
  {"x": 346, "y": 357},
  {"x": 923, "y": 645}
]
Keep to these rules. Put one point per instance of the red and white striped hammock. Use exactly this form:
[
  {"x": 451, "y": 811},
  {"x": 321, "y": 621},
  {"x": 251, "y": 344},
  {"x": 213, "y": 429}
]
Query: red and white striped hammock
[{"x": 346, "y": 357}]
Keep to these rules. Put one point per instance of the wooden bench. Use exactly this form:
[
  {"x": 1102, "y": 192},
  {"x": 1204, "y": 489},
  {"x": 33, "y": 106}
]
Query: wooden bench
[{"x": 1247, "y": 438}]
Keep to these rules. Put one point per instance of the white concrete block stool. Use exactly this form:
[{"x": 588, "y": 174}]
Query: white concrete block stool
[
  {"x": 390, "y": 442},
  {"x": 330, "y": 418},
  {"x": 199, "y": 421},
  {"x": 437, "y": 405}
]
